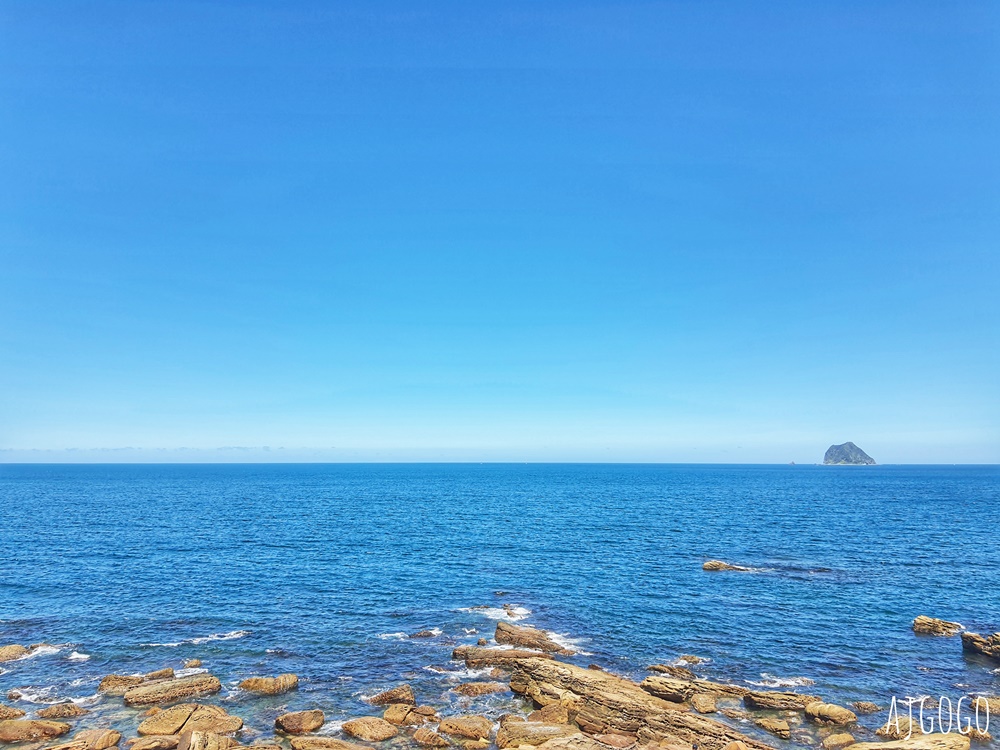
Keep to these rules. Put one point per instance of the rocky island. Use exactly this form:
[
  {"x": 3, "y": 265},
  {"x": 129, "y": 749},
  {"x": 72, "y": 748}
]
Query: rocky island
[{"x": 847, "y": 454}]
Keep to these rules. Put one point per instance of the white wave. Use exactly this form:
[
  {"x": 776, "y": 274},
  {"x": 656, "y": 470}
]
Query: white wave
[
  {"x": 189, "y": 671},
  {"x": 38, "y": 695},
  {"x": 43, "y": 650},
  {"x": 87, "y": 700},
  {"x": 231, "y": 635},
  {"x": 682, "y": 662},
  {"x": 400, "y": 636},
  {"x": 435, "y": 631},
  {"x": 459, "y": 674},
  {"x": 565, "y": 641},
  {"x": 330, "y": 727},
  {"x": 769, "y": 680},
  {"x": 509, "y": 613},
  {"x": 470, "y": 631},
  {"x": 77, "y": 656}
]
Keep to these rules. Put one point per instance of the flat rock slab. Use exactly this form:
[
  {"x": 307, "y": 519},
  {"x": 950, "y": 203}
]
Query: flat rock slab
[
  {"x": 517, "y": 733},
  {"x": 473, "y": 689},
  {"x": 154, "y": 742},
  {"x": 951, "y": 741},
  {"x": 190, "y": 717},
  {"x": 23, "y": 730},
  {"x": 166, "y": 691},
  {"x": 779, "y": 701},
  {"x": 370, "y": 729},
  {"x": 325, "y": 743},
  {"x": 270, "y": 685},
  {"x": 933, "y": 626},
  {"x": 530, "y": 638},
  {"x": 12, "y": 652},
  {"x": 62, "y": 711},
  {"x": 508, "y": 658},
  {"x": 300, "y": 722},
  {"x": 471, "y": 727}
]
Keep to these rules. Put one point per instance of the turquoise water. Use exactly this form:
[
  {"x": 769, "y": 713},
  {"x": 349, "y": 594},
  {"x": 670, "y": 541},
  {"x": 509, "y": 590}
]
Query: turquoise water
[{"x": 322, "y": 570}]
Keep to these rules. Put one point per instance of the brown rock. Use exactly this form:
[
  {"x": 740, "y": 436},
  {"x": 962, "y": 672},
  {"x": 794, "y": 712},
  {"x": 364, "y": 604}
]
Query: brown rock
[
  {"x": 427, "y": 711},
  {"x": 531, "y": 733},
  {"x": 736, "y": 714},
  {"x": 778, "y": 701},
  {"x": 472, "y": 727},
  {"x": 720, "y": 565},
  {"x": 154, "y": 742},
  {"x": 370, "y": 729},
  {"x": 160, "y": 674},
  {"x": 899, "y": 728},
  {"x": 270, "y": 685},
  {"x": 482, "y": 642},
  {"x": 952, "y": 741},
  {"x": 554, "y": 713},
  {"x": 473, "y": 689},
  {"x": 9, "y": 712},
  {"x": 988, "y": 645},
  {"x": 983, "y": 703},
  {"x": 495, "y": 657},
  {"x": 212, "y": 719},
  {"x": 205, "y": 741},
  {"x": 429, "y": 738},
  {"x": 838, "y": 741},
  {"x": 933, "y": 626},
  {"x": 736, "y": 745},
  {"x": 671, "y": 671},
  {"x": 300, "y": 722},
  {"x": 581, "y": 741},
  {"x": 192, "y": 664},
  {"x": 324, "y": 743},
  {"x": 980, "y": 735},
  {"x": 529, "y": 638},
  {"x": 98, "y": 739},
  {"x": 399, "y": 694},
  {"x": 23, "y": 730},
  {"x": 423, "y": 634},
  {"x": 603, "y": 703},
  {"x": 617, "y": 741},
  {"x": 167, "y": 721},
  {"x": 703, "y": 703},
  {"x": 118, "y": 684},
  {"x": 12, "y": 652},
  {"x": 474, "y": 744},
  {"x": 398, "y": 714},
  {"x": 61, "y": 711},
  {"x": 167, "y": 691},
  {"x": 866, "y": 707},
  {"x": 778, "y": 727},
  {"x": 690, "y": 658},
  {"x": 498, "y": 673},
  {"x": 668, "y": 688},
  {"x": 830, "y": 713}
]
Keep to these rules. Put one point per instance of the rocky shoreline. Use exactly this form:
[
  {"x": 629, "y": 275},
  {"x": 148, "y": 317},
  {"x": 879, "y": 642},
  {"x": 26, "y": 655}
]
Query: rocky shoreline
[{"x": 564, "y": 706}]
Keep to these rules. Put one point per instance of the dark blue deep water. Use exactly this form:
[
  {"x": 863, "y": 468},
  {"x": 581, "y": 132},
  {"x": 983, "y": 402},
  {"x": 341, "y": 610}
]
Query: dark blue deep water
[{"x": 322, "y": 570}]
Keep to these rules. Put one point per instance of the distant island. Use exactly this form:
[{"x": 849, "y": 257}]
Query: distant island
[{"x": 847, "y": 454}]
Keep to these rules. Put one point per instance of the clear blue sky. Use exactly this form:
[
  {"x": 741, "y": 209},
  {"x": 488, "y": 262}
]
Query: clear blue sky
[{"x": 676, "y": 231}]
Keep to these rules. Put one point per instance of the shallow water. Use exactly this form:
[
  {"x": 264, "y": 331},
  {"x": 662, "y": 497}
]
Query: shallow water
[{"x": 323, "y": 570}]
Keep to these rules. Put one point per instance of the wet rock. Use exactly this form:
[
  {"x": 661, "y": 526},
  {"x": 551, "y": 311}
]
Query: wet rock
[
  {"x": 933, "y": 626},
  {"x": 98, "y": 739},
  {"x": 370, "y": 729},
  {"x": 325, "y": 743},
  {"x": 429, "y": 738},
  {"x": 166, "y": 691},
  {"x": 192, "y": 664},
  {"x": 23, "y": 730},
  {"x": 830, "y": 713},
  {"x": 668, "y": 688},
  {"x": 671, "y": 671},
  {"x": 482, "y": 642},
  {"x": 270, "y": 685},
  {"x": 720, "y": 565},
  {"x": 980, "y": 735},
  {"x": 529, "y": 638},
  {"x": 603, "y": 703},
  {"x": 899, "y": 728},
  {"x": 508, "y": 658},
  {"x": 423, "y": 634},
  {"x": 9, "y": 712},
  {"x": 426, "y": 711},
  {"x": 531, "y": 733},
  {"x": 497, "y": 673},
  {"x": 160, "y": 674},
  {"x": 778, "y": 701},
  {"x": 399, "y": 694},
  {"x": 473, "y": 689},
  {"x": 474, "y": 744},
  {"x": 205, "y": 741},
  {"x": 736, "y": 745},
  {"x": 987, "y": 645},
  {"x": 300, "y": 722},
  {"x": 777, "y": 727},
  {"x": 703, "y": 703},
  {"x": 951, "y": 741},
  {"x": 580, "y": 741},
  {"x": 212, "y": 719},
  {"x": 118, "y": 684},
  {"x": 737, "y": 714},
  {"x": 403, "y": 714},
  {"x": 866, "y": 707},
  {"x": 62, "y": 711},
  {"x": 690, "y": 658},
  {"x": 12, "y": 652},
  {"x": 983, "y": 703},
  {"x": 838, "y": 741},
  {"x": 154, "y": 742},
  {"x": 472, "y": 727},
  {"x": 554, "y": 713}
]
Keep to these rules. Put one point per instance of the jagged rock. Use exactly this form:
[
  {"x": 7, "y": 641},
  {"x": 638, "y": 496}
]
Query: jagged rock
[
  {"x": 980, "y": 735},
  {"x": 429, "y": 738},
  {"x": 474, "y": 744},
  {"x": 399, "y": 694},
  {"x": 98, "y": 739},
  {"x": 703, "y": 703},
  {"x": 205, "y": 741},
  {"x": 778, "y": 701},
  {"x": 508, "y": 658},
  {"x": 720, "y": 565},
  {"x": 270, "y": 685},
  {"x": 866, "y": 707},
  {"x": 472, "y": 727},
  {"x": 61, "y": 711},
  {"x": 531, "y": 733},
  {"x": 370, "y": 729},
  {"x": 529, "y": 638},
  {"x": 118, "y": 684},
  {"x": 23, "y": 730},
  {"x": 838, "y": 741},
  {"x": 325, "y": 743},
  {"x": 951, "y": 741},
  {"x": 9, "y": 712},
  {"x": 602, "y": 703},
  {"x": 778, "y": 727},
  {"x": 987, "y": 645},
  {"x": 426, "y": 711},
  {"x": 159, "y": 674},
  {"x": 933, "y": 626},
  {"x": 154, "y": 742},
  {"x": 671, "y": 671},
  {"x": 473, "y": 689},
  {"x": 192, "y": 664},
  {"x": 482, "y": 642},
  {"x": 984, "y": 703},
  {"x": 423, "y": 634},
  {"x": 300, "y": 722},
  {"x": 830, "y": 713},
  {"x": 847, "y": 454},
  {"x": 899, "y": 728},
  {"x": 12, "y": 652},
  {"x": 166, "y": 691},
  {"x": 554, "y": 713}
]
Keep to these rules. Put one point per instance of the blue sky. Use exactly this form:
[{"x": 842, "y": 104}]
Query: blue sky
[{"x": 678, "y": 231}]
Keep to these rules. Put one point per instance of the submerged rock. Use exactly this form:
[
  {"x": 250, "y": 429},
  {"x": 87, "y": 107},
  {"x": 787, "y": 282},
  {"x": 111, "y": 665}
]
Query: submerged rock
[
  {"x": 192, "y": 664},
  {"x": 399, "y": 694},
  {"x": 12, "y": 652},
  {"x": 423, "y": 634},
  {"x": 778, "y": 701},
  {"x": 530, "y": 638},
  {"x": 987, "y": 645},
  {"x": 62, "y": 711},
  {"x": 720, "y": 565},
  {"x": 270, "y": 685},
  {"x": 830, "y": 713},
  {"x": 508, "y": 658},
  {"x": 838, "y": 741},
  {"x": 473, "y": 689},
  {"x": 933, "y": 626},
  {"x": 777, "y": 727},
  {"x": 473, "y": 727},
  {"x": 370, "y": 729},
  {"x": 867, "y": 707},
  {"x": 98, "y": 739},
  {"x": 325, "y": 743},
  {"x": 165, "y": 691},
  {"x": 154, "y": 742},
  {"x": 847, "y": 454},
  {"x": 119, "y": 684},
  {"x": 24, "y": 730},
  {"x": 300, "y": 722},
  {"x": 429, "y": 738}
]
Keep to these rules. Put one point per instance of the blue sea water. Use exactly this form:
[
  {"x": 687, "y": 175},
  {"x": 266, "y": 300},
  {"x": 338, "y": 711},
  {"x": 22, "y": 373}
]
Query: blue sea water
[{"x": 323, "y": 570}]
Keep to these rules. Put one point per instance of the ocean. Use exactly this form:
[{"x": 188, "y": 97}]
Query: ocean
[{"x": 325, "y": 571}]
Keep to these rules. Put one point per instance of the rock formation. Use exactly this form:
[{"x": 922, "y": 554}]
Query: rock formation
[
  {"x": 62, "y": 711},
  {"x": 370, "y": 729},
  {"x": 847, "y": 454},
  {"x": 933, "y": 626},
  {"x": 530, "y": 638},
  {"x": 24, "y": 730},
  {"x": 473, "y": 689},
  {"x": 270, "y": 685},
  {"x": 508, "y": 658},
  {"x": 987, "y": 645},
  {"x": 300, "y": 722},
  {"x": 399, "y": 694},
  {"x": 166, "y": 691},
  {"x": 14, "y": 651}
]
